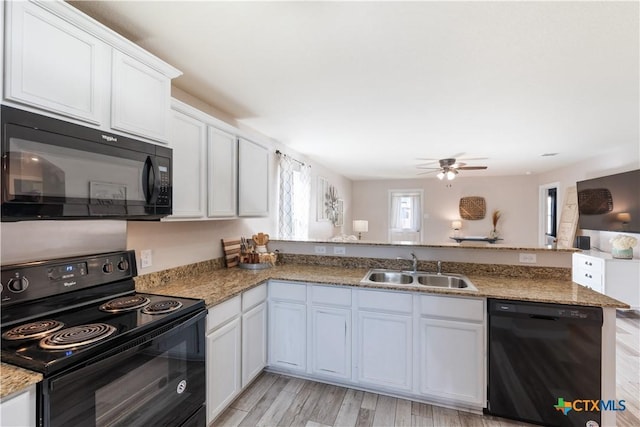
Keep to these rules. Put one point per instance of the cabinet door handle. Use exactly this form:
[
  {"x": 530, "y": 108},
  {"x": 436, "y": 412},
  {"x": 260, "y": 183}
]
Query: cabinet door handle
[{"x": 588, "y": 275}]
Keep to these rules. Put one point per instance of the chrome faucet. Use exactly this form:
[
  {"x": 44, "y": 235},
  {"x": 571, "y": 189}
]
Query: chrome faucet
[{"x": 414, "y": 261}]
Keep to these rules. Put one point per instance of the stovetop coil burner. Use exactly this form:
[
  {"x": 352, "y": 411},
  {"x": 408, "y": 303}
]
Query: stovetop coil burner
[
  {"x": 131, "y": 302},
  {"x": 162, "y": 307},
  {"x": 77, "y": 336},
  {"x": 33, "y": 330}
]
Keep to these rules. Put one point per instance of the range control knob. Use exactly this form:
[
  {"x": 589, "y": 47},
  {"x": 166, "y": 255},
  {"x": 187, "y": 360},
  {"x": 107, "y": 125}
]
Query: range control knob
[
  {"x": 17, "y": 285},
  {"x": 123, "y": 265},
  {"x": 107, "y": 268}
]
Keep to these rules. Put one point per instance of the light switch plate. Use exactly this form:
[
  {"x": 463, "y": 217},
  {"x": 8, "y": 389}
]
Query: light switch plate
[
  {"x": 528, "y": 258},
  {"x": 146, "y": 258},
  {"x": 339, "y": 250},
  {"x": 320, "y": 249}
]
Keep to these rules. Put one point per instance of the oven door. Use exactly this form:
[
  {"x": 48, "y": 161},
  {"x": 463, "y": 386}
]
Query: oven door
[{"x": 153, "y": 381}]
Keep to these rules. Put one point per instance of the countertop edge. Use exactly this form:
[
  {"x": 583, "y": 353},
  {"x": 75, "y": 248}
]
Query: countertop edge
[{"x": 14, "y": 380}]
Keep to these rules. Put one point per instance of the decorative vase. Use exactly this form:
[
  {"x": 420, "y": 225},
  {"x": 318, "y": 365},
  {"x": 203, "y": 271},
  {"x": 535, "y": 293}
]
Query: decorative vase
[
  {"x": 493, "y": 234},
  {"x": 622, "y": 253}
]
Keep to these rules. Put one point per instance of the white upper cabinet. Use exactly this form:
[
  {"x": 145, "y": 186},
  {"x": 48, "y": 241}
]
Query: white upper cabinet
[
  {"x": 67, "y": 65},
  {"x": 140, "y": 98},
  {"x": 53, "y": 65},
  {"x": 189, "y": 143},
  {"x": 222, "y": 174},
  {"x": 253, "y": 179}
]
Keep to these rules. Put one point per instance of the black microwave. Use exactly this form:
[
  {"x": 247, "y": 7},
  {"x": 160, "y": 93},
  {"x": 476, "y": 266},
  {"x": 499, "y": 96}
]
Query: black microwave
[{"x": 52, "y": 169}]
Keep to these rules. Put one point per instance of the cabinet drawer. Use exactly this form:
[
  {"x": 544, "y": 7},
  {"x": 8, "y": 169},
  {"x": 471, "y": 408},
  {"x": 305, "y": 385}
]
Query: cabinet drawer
[
  {"x": 452, "y": 307},
  {"x": 223, "y": 312},
  {"x": 588, "y": 263},
  {"x": 254, "y": 296},
  {"x": 287, "y": 291},
  {"x": 331, "y": 295},
  {"x": 385, "y": 301},
  {"x": 588, "y": 278}
]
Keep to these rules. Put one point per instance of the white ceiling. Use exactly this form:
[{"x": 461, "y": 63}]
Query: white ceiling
[{"x": 365, "y": 88}]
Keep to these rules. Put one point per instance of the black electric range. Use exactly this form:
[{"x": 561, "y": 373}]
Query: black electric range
[{"x": 80, "y": 317}]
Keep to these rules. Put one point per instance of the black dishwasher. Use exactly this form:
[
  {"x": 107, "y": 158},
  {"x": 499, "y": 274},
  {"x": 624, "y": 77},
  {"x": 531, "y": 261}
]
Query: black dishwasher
[{"x": 543, "y": 357}]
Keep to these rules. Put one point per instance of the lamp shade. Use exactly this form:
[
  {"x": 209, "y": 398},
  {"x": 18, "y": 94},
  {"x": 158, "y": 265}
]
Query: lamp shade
[
  {"x": 360, "y": 225},
  {"x": 624, "y": 217},
  {"x": 456, "y": 225}
]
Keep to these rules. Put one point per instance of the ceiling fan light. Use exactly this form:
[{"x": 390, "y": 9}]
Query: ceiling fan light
[
  {"x": 451, "y": 174},
  {"x": 440, "y": 175}
]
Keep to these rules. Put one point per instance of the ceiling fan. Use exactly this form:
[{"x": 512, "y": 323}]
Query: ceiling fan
[{"x": 448, "y": 167}]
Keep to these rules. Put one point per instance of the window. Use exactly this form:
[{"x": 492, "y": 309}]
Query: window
[
  {"x": 551, "y": 212},
  {"x": 405, "y": 215},
  {"x": 294, "y": 198}
]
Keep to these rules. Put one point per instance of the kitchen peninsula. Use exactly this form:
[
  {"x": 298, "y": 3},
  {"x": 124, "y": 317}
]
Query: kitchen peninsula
[
  {"x": 305, "y": 288},
  {"x": 220, "y": 287}
]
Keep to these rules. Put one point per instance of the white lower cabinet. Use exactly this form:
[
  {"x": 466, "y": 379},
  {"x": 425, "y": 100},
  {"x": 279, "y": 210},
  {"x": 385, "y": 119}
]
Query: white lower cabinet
[
  {"x": 450, "y": 362},
  {"x": 236, "y": 347},
  {"x": 330, "y": 340},
  {"x": 288, "y": 335},
  {"x": 19, "y": 410},
  {"x": 254, "y": 342},
  {"x": 384, "y": 339},
  {"x": 429, "y": 347},
  {"x": 224, "y": 354},
  {"x": 451, "y": 354},
  {"x": 384, "y": 349}
]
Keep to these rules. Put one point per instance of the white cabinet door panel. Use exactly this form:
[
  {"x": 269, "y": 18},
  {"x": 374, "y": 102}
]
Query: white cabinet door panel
[
  {"x": 253, "y": 179},
  {"x": 451, "y": 360},
  {"x": 53, "y": 65},
  {"x": 287, "y": 335},
  {"x": 331, "y": 342},
  {"x": 189, "y": 143},
  {"x": 140, "y": 98},
  {"x": 254, "y": 342},
  {"x": 223, "y": 367},
  {"x": 385, "y": 349},
  {"x": 222, "y": 178},
  {"x": 19, "y": 410}
]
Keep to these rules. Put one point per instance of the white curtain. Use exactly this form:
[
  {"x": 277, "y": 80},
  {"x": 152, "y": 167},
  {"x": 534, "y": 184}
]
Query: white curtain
[
  {"x": 396, "y": 212},
  {"x": 294, "y": 198},
  {"x": 405, "y": 211}
]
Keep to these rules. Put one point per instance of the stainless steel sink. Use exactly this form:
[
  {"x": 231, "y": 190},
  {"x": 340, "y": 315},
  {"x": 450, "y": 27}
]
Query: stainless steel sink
[
  {"x": 395, "y": 277},
  {"x": 418, "y": 279}
]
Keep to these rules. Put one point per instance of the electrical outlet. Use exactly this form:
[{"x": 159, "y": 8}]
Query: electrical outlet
[
  {"x": 528, "y": 258},
  {"x": 146, "y": 258},
  {"x": 320, "y": 249},
  {"x": 339, "y": 250}
]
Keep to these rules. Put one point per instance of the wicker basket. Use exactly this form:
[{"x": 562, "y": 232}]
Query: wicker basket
[
  {"x": 595, "y": 201},
  {"x": 472, "y": 208}
]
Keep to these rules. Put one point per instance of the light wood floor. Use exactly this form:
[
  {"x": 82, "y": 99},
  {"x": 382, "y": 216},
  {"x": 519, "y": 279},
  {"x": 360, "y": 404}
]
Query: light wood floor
[{"x": 278, "y": 400}]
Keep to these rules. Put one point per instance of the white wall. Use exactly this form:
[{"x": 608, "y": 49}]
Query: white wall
[
  {"x": 179, "y": 243},
  {"x": 514, "y": 196}
]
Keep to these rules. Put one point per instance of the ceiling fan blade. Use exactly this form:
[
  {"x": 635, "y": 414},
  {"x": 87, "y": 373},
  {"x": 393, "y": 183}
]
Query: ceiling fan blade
[
  {"x": 472, "y": 158},
  {"x": 472, "y": 168},
  {"x": 427, "y": 172},
  {"x": 426, "y": 166}
]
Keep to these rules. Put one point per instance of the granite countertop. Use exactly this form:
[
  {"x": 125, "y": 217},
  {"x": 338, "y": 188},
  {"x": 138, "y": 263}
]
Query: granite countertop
[
  {"x": 466, "y": 245},
  {"x": 14, "y": 379},
  {"x": 217, "y": 286}
]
